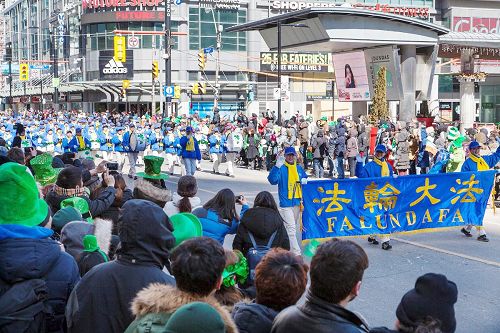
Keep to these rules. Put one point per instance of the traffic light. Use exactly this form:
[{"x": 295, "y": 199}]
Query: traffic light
[
  {"x": 120, "y": 48},
  {"x": 195, "y": 89},
  {"x": 155, "y": 71},
  {"x": 24, "y": 72},
  {"x": 123, "y": 94},
  {"x": 201, "y": 60},
  {"x": 125, "y": 84},
  {"x": 177, "y": 91}
]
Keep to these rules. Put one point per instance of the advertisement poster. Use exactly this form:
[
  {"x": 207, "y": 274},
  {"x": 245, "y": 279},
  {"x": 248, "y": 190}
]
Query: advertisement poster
[
  {"x": 384, "y": 57},
  {"x": 296, "y": 62},
  {"x": 110, "y": 69},
  {"x": 351, "y": 76}
]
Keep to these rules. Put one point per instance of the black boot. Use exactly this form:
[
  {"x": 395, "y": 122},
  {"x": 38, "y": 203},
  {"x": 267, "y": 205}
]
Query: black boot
[{"x": 386, "y": 246}]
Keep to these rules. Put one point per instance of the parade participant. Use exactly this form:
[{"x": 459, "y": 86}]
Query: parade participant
[
  {"x": 251, "y": 147},
  {"x": 66, "y": 141},
  {"x": 377, "y": 168},
  {"x": 21, "y": 140},
  {"x": 475, "y": 162},
  {"x": 118, "y": 149},
  {"x": 233, "y": 143},
  {"x": 216, "y": 148},
  {"x": 79, "y": 143},
  {"x": 105, "y": 139},
  {"x": 58, "y": 141},
  {"x": 288, "y": 176},
  {"x": 131, "y": 146},
  {"x": 156, "y": 141},
  {"x": 170, "y": 149},
  {"x": 93, "y": 137},
  {"x": 190, "y": 151},
  {"x": 48, "y": 141}
]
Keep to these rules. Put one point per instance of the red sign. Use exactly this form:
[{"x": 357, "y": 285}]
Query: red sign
[
  {"x": 476, "y": 24},
  {"x": 91, "y": 4},
  {"x": 139, "y": 16},
  {"x": 422, "y": 12}
]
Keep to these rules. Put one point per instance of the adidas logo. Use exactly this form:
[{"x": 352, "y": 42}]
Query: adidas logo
[{"x": 114, "y": 67}]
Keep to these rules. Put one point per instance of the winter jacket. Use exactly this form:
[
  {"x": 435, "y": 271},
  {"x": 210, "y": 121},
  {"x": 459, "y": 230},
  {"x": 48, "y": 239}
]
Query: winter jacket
[
  {"x": 363, "y": 142},
  {"x": 491, "y": 160},
  {"x": 318, "y": 316},
  {"x": 29, "y": 253},
  {"x": 171, "y": 207},
  {"x": 169, "y": 144},
  {"x": 304, "y": 132},
  {"x": 143, "y": 189},
  {"x": 196, "y": 154},
  {"x": 318, "y": 144},
  {"x": 96, "y": 207},
  {"x": 215, "y": 226},
  {"x": 262, "y": 222},
  {"x": 352, "y": 147},
  {"x": 101, "y": 301},
  {"x": 161, "y": 301},
  {"x": 340, "y": 141},
  {"x": 74, "y": 145},
  {"x": 216, "y": 144},
  {"x": 156, "y": 141},
  {"x": 73, "y": 232},
  {"x": 279, "y": 176},
  {"x": 253, "y": 317},
  {"x": 373, "y": 170},
  {"x": 113, "y": 211},
  {"x": 117, "y": 142}
]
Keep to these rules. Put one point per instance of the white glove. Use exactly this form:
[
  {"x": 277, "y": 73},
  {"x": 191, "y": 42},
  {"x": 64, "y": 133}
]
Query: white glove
[
  {"x": 280, "y": 161},
  {"x": 303, "y": 181}
]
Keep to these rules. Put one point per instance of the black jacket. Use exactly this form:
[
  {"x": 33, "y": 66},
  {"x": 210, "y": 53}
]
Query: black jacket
[
  {"x": 253, "y": 317},
  {"x": 113, "y": 211},
  {"x": 318, "y": 316},
  {"x": 96, "y": 207},
  {"x": 261, "y": 222},
  {"x": 101, "y": 301}
]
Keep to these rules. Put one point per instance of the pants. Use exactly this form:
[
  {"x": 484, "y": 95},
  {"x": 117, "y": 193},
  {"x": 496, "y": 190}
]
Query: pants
[
  {"x": 480, "y": 229},
  {"x": 190, "y": 164},
  {"x": 352, "y": 166},
  {"x": 331, "y": 167},
  {"x": 132, "y": 161},
  {"x": 216, "y": 159},
  {"x": 318, "y": 167},
  {"x": 303, "y": 151},
  {"x": 340, "y": 167},
  {"x": 230, "y": 157},
  {"x": 291, "y": 216},
  {"x": 413, "y": 167}
]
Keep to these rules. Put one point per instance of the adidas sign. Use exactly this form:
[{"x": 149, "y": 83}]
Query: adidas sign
[{"x": 114, "y": 67}]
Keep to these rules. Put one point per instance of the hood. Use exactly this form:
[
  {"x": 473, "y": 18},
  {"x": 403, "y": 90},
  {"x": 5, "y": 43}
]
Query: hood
[
  {"x": 145, "y": 233},
  {"x": 250, "y": 314},
  {"x": 148, "y": 190},
  {"x": 72, "y": 235},
  {"x": 340, "y": 131},
  {"x": 261, "y": 221},
  {"x": 23, "y": 258},
  {"x": 164, "y": 298},
  {"x": 195, "y": 201}
]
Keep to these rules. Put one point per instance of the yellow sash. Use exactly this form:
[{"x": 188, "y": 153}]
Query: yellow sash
[
  {"x": 81, "y": 142},
  {"x": 190, "y": 144},
  {"x": 294, "y": 190},
  {"x": 384, "y": 166},
  {"x": 480, "y": 162}
]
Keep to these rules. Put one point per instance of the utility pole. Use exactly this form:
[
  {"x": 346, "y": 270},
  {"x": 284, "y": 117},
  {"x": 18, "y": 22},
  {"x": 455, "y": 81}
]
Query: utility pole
[
  {"x": 217, "y": 66},
  {"x": 279, "y": 72},
  {"x": 168, "y": 53},
  {"x": 9, "y": 59}
]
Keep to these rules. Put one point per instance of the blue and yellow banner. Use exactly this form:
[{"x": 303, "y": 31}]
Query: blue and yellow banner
[{"x": 372, "y": 206}]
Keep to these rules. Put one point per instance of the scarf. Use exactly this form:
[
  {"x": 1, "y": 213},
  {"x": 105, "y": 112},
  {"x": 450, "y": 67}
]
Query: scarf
[
  {"x": 70, "y": 192},
  {"x": 190, "y": 144},
  {"x": 294, "y": 190},
  {"x": 81, "y": 142},
  {"x": 480, "y": 162},
  {"x": 383, "y": 165}
]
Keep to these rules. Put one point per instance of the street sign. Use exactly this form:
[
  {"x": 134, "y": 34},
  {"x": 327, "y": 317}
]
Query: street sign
[
  {"x": 133, "y": 42},
  {"x": 39, "y": 67},
  {"x": 169, "y": 91},
  {"x": 24, "y": 72},
  {"x": 55, "y": 82},
  {"x": 208, "y": 50}
]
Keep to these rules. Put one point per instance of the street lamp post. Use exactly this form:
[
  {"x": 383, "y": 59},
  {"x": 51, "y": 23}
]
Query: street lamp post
[{"x": 168, "y": 54}]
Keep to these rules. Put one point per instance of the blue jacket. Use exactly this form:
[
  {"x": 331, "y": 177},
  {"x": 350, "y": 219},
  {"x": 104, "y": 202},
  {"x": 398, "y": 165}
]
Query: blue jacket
[
  {"x": 216, "y": 227},
  {"x": 279, "y": 176},
  {"x": 156, "y": 143},
  {"x": 106, "y": 143},
  {"x": 216, "y": 146},
  {"x": 492, "y": 160},
  {"x": 58, "y": 148},
  {"x": 170, "y": 145},
  {"x": 196, "y": 154},
  {"x": 28, "y": 253},
  {"x": 75, "y": 147},
  {"x": 373, "y": 170},
  {"x": 66, "y": 145},
  {"x": 117, "y": 142},
  {"x": 141, "y": 144}
]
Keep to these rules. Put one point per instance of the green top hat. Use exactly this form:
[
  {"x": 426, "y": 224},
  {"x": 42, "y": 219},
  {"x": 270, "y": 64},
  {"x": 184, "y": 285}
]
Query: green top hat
[
  {"x": 20, "y": 202},
  {"x": 43, "y": 170},
  {"x": 152, "y": 168},
  {"x": 186, "y": 226},
  {"x": 80, "y": 204}
]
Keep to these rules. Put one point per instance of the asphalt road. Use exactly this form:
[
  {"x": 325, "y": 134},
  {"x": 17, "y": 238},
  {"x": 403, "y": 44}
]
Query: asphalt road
[{"x": 474, "y": 266}]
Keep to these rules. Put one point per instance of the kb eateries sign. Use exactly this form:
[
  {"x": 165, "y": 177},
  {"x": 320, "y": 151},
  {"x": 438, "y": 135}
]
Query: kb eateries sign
[{"x": 295, "y": 62}]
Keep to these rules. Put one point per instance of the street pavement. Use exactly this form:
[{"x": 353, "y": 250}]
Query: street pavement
[{"x": 474, "y": 266}]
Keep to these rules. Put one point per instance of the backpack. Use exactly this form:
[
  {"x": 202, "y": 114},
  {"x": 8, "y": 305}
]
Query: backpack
[
  {"x": 24, "y": 308},
  {"x": 256, "y": 253}
]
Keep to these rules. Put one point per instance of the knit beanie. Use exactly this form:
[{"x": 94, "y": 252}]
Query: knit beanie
[
  {"x": 196, "y": 317},
  {"x": 187, "y": 186},
  {"x": 64, "y": 216},
  {"x": 434, "y": 295}
]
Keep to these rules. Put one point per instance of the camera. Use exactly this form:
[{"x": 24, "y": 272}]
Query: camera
[
  {"x": 238, "y": 198},
  {"x": 112, "y": 166}
]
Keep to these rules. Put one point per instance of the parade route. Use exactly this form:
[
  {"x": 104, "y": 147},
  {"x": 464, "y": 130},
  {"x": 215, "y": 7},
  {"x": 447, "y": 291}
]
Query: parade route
[{"x": 473, "y": 265}]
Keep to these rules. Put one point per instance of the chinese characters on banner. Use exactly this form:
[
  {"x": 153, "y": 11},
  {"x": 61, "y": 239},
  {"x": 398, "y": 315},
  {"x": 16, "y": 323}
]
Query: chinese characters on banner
[{"x": 356, "y": 207}]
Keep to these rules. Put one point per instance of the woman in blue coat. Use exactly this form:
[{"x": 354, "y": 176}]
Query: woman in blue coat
[{"x": 218, "y": 216}]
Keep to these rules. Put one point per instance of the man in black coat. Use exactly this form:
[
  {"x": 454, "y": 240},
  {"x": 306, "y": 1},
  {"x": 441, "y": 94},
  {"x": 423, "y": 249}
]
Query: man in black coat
[
  {"x": 101, "y": 301},
  {"x": 336, "y": 272}
]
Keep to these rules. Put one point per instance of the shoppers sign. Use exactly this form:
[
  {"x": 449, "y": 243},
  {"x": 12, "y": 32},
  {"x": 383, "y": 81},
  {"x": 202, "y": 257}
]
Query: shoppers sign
[
  {"x": 295, "y": 62},
  {"x": 418, "y": 12},
  {"x": 110, "y": 69},
  {"x": 486, "y": 25},
  {"x": 384, "y": 57}
]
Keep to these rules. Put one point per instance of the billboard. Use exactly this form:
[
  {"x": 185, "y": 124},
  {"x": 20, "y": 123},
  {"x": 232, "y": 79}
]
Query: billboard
[
  {"x": 111, "y": 69},
  {"x": 296, "y": 62},
  {"x": 384, "y": 57},
  {"x": 351, "y": 76}
]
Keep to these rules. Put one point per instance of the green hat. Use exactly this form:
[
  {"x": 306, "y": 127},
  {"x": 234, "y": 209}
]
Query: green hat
[
  {"x": 64, "y": 216},
  {"x": 453, "y": 133},
  {"x": 90, "y": 245},
  {"x": 152, "y": 168},
  {"x": 458, "y": 142},
  {"x": 324, "y": 118},
  {"x": 80, "y": 204},
  {"x": 20, "y": 202},
  {"x": 43, "y": 170},
  {"x": 196, "y": 317},
  {"x": 186, "y": 226}
]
